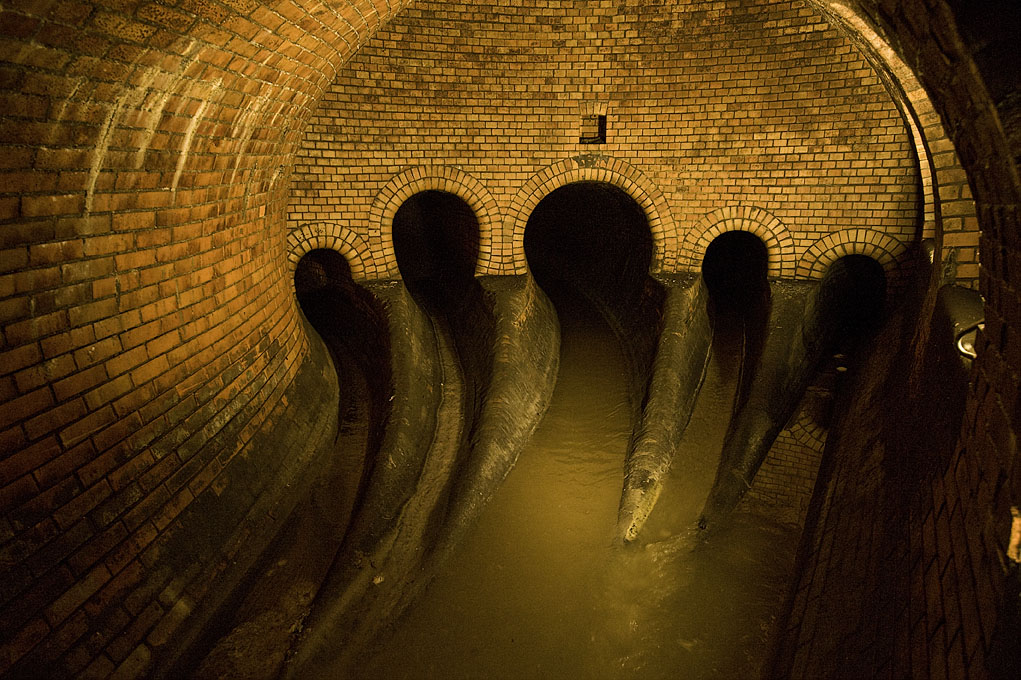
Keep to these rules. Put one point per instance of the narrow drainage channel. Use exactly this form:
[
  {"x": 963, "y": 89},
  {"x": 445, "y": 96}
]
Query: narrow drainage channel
[{"x": 539, "y": 590}]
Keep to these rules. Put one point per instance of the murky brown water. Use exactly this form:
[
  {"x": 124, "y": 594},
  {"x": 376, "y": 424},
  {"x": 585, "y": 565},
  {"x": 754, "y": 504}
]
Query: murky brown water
[{"x": 538, "y": 590}]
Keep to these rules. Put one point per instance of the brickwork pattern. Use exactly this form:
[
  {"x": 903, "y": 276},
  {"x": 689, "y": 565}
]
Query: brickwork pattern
[
  {"x": 762, "y": 105},
  {"x": 333, "y": 236},
  {"x": 949, "y": 209},
  {"x": 775, "y": 235},
  {"x": 149, "y": 339},
  {"x": 783, "y": 485},
  {"x": 149, "y": 330},
  {"x": 439, "y": 178},
  {"x": 924, "y": 549}
]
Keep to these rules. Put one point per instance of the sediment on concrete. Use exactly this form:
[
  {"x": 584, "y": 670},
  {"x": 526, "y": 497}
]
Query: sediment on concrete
[
  {"x": 392, "y": 477},
  {"x": 790, "y": 357},
  {"x": 892, "y": 465},
  {"x": 516, "y": 387},
  {"x": 460, "y": 415},
  {"x": 671, "y": 388},
  {"x": 234, "y": 521}
]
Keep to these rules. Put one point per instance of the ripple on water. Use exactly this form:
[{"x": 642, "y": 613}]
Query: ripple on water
[{"x": 539, "y": 589}]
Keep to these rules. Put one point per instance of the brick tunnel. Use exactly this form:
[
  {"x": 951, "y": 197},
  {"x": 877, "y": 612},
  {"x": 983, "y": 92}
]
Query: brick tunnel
[{"x": 185, "y": 187}]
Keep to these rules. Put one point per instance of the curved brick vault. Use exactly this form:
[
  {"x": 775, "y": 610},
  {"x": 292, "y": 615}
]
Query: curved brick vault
[{"x": 157, "y": 158}]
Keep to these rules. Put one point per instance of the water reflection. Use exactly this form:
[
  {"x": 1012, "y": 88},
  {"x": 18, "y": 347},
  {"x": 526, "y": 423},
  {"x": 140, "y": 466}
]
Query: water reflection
[{"x": 539, "y": 590}]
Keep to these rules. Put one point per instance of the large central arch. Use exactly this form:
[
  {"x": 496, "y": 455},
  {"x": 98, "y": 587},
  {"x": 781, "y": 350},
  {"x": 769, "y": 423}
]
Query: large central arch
[{"x": 594, "y": 169}]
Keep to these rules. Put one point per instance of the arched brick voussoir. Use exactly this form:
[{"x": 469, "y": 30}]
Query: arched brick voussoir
[
  {"x": 775, "y": 236},
  {"x": 332, "y": 236},
  {"x": 884, "y": 249},
  {"x": 594, "y": 169},
  {"x": 445, "y": 178}
]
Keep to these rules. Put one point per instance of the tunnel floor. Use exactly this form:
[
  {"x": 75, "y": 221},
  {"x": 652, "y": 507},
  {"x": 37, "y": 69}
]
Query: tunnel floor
[{"x": 538, "y": 589}]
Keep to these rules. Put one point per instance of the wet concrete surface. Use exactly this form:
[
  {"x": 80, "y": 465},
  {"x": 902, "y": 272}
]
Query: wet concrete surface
[{"x": 541, "y": 589}]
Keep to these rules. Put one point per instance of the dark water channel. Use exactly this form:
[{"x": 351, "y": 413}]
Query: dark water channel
[{"x": 539, "y": 590}]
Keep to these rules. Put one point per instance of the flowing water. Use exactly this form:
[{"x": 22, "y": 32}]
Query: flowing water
[{"x": 539, "y": 590}]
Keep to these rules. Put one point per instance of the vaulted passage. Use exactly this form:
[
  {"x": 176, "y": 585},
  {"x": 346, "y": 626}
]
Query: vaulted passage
[
  {"x": 436, "y": 241},
  {"x": 589, "y": 240},
  {"x": 540, "y": 588},
  {"x": 734, "y": 268},
  {"x": 283, "y": 287},
  {"x": 852, "y": 300}
]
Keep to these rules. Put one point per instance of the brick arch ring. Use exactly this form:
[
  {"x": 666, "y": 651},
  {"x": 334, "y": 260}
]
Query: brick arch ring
[
  {"x": 593, "y": 169},
  {"x": 434, "y": 178},
  {"x": 774, "y": 234},
  {"x": 882, "y": 248},
  {"x": 332, "y": 236}
]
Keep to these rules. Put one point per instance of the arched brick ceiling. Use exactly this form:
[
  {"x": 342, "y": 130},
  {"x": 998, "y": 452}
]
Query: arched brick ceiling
[
  {"x": 757, "y": 104},
  {"x": 145, "y": 299}
]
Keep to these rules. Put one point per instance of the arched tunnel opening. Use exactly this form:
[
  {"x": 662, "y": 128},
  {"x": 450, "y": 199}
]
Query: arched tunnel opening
[
  {"x": 735, "y": 268},
  {"x": 821, "y": 341},
  {"x": 589, "y": 242},
  {"x": 734, "y": 271},
  {"x": 436, "y": 242},
  {"x": 352, "y": 324},
  {"x": 851, "y": 301},
  {"x": 589, "y": 247}
]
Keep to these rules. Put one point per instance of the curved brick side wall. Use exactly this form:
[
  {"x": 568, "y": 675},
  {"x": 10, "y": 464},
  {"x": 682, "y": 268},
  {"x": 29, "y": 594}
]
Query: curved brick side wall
[
  {"x": 949, "y": 210},
  {"x": 920, "y": 537},
  {"x": 757, "y": 104},
  {"x": 152, "y": 351}
]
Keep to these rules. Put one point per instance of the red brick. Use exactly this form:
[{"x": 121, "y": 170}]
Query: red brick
[
  {"x": 12, "y": 439},
  {"x": 29, "y": 459},
  {"x": 117, "y": 432},
  {"x": 33, "y": 329},
  {"x": 53, "y": 419},
  {"x": 18, "y": 358},
  {"x": 108, "y": 392},
  {"x": 125, "y": 361},
  {"x": 13, "y": 259},
  {"x": 79, "y": 382},
  {"x": 10, "y": 208},
  {"x": 97, "y": 352},
  {"x": 16, "y": 490},
  {"x": 67, "y": 603},
  {"x": 75, "y": 510},
  {"x": 22, "y": 407},
  {"x": 72, "y": 434},
  {"x": 150, "y": 371},
  {"x": 65, "y": 464},
  {"x": 24, "y": 641},
  {"x": 88, "y": 312},
  {"x": 45, "y": 206}
]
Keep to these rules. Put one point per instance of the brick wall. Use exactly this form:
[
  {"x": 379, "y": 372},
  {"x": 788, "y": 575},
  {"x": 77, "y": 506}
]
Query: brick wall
[
  {"x": 708, "y": 105},
  {"x": 783, "y": 485},
  {"x": 150, "y": 346},
  {"x": 910, "y": 531},
  {"x": 150, "y": 339}
]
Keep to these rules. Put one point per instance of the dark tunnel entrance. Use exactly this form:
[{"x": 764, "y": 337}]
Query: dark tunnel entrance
[
  {"x": 352, "y": 325},
  {"x": 734, "y": 270},
  {"x": 852, "y": 298},
  {"x": 436, "y": 242},
  {"x": 735, "y": 267},
  {"x": 589, "y": 241}
]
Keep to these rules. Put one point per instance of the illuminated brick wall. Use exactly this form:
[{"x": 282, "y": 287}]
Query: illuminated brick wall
[
  {"x": 765, "y": 107},
  {"x": 155, "y": 159}
]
